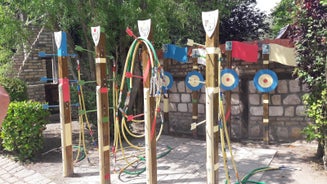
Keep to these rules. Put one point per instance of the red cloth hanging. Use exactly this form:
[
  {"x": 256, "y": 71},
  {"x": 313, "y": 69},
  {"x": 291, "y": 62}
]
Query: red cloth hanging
[{"x": 244, "y": 51}]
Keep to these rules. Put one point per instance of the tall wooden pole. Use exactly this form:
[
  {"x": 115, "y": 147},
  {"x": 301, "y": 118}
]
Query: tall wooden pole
[
  {"x": 102, "y": 105},
  {"x": 195, "y": 101},
  {"x": 228, "y": 94},
  {"x": 64, "y": 104},
  {"x": 212, "y": 89},
  {"x": 265, "y": 96},
  {"x": 149, "y": 112},
  {"x": 166, "y": 104}
]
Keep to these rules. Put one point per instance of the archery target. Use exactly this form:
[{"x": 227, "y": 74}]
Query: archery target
[
  {"x": 168, "y": 81},
  {"x": 194, "y": 80},
  {"x": 229, "y": 79},
  {"x": 265, "y": 80}
]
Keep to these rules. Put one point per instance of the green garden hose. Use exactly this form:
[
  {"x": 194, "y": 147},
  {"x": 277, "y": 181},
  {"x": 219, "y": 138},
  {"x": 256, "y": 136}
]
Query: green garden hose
[
  {"x": 246, "y": 178},
  {"x": 141, "y": 170}
]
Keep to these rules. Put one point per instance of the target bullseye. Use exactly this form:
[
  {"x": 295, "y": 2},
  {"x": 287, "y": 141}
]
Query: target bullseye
[
  {"x": 229, "y": 79},
  {"x": 167, "y": 82},
  {"x": 265, "y": 80},
  {"x": 194, "y": 80}
]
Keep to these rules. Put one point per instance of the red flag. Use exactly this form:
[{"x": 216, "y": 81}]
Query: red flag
[{"x": 245, "y": 51}]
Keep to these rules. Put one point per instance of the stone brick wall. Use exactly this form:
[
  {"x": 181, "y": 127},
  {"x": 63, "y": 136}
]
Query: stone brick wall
[
  {"x": 286, "y": 110},
  {"x": 30, "y": 67},
  {"x": 180, "y": 108},
  {"x": 36, "y": 92}
]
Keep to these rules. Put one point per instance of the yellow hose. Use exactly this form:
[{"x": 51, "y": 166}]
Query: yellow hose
[{"x": 120, "y": 130}]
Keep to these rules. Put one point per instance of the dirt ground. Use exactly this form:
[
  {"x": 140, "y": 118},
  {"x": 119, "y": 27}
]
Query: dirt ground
[
  {"x": 301, "y": 165},
  {"x": 298, "y": 158}
]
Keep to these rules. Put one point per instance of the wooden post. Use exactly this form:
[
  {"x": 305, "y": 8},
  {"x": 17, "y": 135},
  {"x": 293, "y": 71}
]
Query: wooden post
[
  {"x": 228, "y": 94},
  {"x": 149, "y": 109},
  {"x": 211, "y": 25},
  {"x": 195, "y": 101},
  {"x": 166, "y": 113},
  {"x": 265, "y": 96},
  {"x": 166, "y": 104},
  {"x": 102, "y": 105},
  {"x": 64, "y": 104}
]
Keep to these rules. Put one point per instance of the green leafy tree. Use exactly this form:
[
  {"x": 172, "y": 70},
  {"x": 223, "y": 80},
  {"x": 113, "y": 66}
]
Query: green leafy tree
[
  {"x": 310, "y": 43},
  {"x": 8, "y": 42},
  {"x": 173, "y": 21},
  {"x": 16, "y": 16},
  {"x": 244, "y": 23},
  {"x": 283, "y": 15}
]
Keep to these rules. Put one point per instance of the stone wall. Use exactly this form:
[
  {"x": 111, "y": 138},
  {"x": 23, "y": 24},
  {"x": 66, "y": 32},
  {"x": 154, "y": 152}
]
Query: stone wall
[
  {"x": 286, "y": 110},
  {"x": 30, "y": 67}
]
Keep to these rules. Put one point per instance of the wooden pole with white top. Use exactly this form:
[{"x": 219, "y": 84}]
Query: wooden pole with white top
[
  {"x": 102, "y": 104},
  {"x": 64, "y": 104},
  {"x": 149, "y": 108},
  {"x": 210, "y": 22},
  {"x": 228, "y": 93},
  {"x": 265, "y": 96}
]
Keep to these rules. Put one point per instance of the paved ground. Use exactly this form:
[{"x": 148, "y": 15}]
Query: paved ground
[
  {"x": 13, "y": 173},
  {"x": 184, "y": 164}
]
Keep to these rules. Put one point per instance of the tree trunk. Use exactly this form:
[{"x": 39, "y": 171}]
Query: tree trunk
[
  {"x": 325, "y": 156},
  {"x": 320, "y": 150}
]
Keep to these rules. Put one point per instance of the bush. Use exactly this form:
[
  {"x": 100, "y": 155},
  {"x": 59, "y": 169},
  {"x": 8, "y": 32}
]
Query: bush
[
  {"x": 316, "y": 103},
  {"x": 22, "y": 129},
  {"x": 16, "y": 88}
]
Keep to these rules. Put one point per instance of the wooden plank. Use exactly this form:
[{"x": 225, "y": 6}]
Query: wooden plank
[{"x": 102, "y": 111}]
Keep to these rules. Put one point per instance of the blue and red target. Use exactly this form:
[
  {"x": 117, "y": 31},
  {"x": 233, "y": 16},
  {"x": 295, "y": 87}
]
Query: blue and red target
[
  {"x": 194, "y": 80},
  {"x": 167, "y": 82},
  {"x": 265, "y": 80},
  {"x": 229, "y": 79}
]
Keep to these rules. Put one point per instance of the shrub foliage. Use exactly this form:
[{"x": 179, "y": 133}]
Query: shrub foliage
[
  {"x": 16, "y": 88},
  {"x": 22, "y": 129},
  {"x": 310, "y": 35}
]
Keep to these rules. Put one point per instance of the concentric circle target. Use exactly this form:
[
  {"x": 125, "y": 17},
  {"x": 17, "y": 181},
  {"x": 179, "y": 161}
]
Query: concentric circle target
[
  {"x": 168, "y": 81},
  {"x": 229, "y": 79},
  {"x": 194, "y": 80},
  {"x": 265, "y": 80}
]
